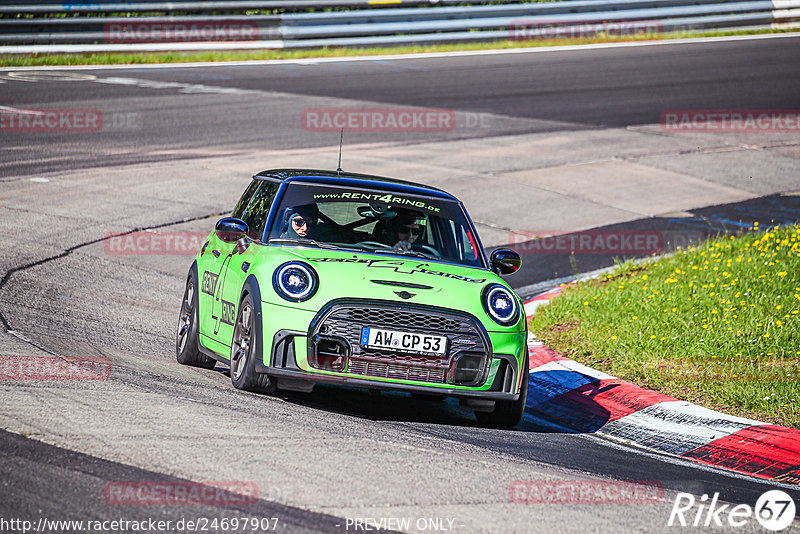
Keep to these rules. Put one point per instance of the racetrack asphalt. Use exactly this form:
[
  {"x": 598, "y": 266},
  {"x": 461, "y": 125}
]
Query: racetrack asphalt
[{"x": 545, "y": 142}]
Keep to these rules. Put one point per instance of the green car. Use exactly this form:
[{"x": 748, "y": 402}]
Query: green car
[{"x": 325, "y": 277}]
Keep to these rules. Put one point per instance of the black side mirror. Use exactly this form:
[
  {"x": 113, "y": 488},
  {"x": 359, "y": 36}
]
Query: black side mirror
[
  {"x": 231, "y": 229},
  {"x": 505, "y": 261}
]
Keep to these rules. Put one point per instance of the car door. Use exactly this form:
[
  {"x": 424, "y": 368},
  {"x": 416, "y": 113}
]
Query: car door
[
  {"x": 211, "y": 271},
  {"x": 215, "y": 255},
  {"x": 235, "y": 268}
]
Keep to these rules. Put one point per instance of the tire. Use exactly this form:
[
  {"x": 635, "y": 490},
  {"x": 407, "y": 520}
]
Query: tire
[
  {"x": 507, "y": 414},
  {"x": 246, "y": 348},
  {"x": 187, "y": 340}
]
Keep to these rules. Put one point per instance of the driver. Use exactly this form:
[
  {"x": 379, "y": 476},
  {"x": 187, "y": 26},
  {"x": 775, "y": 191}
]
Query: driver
[{"x": 301, "y": 221}]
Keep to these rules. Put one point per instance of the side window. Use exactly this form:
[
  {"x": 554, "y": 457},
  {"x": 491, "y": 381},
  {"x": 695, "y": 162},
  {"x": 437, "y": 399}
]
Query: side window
[
  {"x": 468, "y": 245},
  {"x": 427, "y": 236},
  {"x": 238, "y": 212},
  {"x": 257, "y": 210}
]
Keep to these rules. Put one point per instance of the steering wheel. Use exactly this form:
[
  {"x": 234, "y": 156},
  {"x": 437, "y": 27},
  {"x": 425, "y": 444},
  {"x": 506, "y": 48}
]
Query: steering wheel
[
  {"x": 373, "y": 244},
  {"x": 431, "y": 250}
]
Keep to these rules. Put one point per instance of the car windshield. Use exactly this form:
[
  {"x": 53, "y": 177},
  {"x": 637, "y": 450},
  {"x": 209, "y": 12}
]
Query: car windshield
[{"x": 374, "y": 221}]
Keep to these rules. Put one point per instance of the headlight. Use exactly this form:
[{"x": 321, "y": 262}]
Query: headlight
[
  {"x": 295, "y": 281},
  {"x": 500, "y": 304}
]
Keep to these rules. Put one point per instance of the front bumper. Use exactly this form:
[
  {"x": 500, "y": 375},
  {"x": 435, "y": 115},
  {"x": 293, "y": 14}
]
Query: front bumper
[
  {"x": 291, "y": 355},
  {"x": 296, "y": 375}
]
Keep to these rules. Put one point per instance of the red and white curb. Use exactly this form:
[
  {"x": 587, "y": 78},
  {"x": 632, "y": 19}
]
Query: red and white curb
[{"x": 577, "y": 398}]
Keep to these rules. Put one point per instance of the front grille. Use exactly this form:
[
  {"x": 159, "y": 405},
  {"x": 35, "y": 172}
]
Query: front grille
[
  {"x": 345, "y": 321},
  {"x": 399, "y": 319}
]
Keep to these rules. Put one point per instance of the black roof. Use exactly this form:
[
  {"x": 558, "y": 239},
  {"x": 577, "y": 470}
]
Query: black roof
[{"x": 353, "y": 179}]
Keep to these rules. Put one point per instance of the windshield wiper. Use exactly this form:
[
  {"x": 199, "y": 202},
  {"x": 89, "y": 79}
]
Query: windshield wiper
[
  {"x": 413, "y": 253},
  {"x": 302, "y": 241}
]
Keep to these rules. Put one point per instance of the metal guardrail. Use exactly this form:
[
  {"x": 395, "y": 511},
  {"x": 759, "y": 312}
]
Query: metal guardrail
[
  {"x": 386, "y": 26},
  {"x": 110, "y": 6}
]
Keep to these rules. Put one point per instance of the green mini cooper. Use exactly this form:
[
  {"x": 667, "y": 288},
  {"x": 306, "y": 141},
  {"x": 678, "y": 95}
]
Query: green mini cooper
[{"x": 341, "y": 278}]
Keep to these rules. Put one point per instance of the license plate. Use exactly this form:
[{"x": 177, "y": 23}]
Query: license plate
[{"x": 403, "y": 341}]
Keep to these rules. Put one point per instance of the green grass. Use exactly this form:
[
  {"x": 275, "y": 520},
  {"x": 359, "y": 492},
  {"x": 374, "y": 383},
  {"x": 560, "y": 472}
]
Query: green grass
[
  {"x": 718, "y": 324},
  {"x": 28, "y": 60}
]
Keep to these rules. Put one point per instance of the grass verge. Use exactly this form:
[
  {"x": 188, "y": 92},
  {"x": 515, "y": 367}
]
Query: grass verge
[
  {"x": 718, "y": 324},
  {"x": 136, "y": 58}
]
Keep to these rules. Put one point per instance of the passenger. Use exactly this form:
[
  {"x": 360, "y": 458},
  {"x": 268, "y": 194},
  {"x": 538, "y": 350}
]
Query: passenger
[{"x": 407, "y": 231}]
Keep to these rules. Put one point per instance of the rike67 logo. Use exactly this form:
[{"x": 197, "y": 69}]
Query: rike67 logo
[{"x": 775, "y": 510}]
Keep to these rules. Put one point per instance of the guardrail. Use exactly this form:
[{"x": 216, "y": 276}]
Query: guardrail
[
  {"x": 111, "y": 6},
  {"x": 438, "y": 23}
]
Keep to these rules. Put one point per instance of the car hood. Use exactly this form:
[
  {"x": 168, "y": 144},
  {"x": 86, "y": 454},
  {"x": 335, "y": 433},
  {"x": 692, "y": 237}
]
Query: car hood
[{"x": 388, "y": 278}]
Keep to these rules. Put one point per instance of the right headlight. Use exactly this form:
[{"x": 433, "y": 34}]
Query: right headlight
[
  {"x": 501, "y": 304},
  {"x": 295, "y": 281}
]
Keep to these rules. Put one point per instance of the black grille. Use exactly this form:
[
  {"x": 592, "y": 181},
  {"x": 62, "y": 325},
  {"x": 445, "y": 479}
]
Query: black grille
[
  {"x": 401, "y": 319},
  {"x": 345, "y": 322}
]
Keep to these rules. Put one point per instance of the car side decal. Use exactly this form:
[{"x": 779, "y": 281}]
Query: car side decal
[
  {"x": 209, "y": 283},
  {"x": 402, "y": 268},
  {"x": 379, "y": 197},
  {"x": 210, "y": 286}
]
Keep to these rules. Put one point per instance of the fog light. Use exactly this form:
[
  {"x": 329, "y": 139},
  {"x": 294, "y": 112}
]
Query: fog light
[
  {"x": 467, "y": 369},
  {"x": 330, "y": 355}
]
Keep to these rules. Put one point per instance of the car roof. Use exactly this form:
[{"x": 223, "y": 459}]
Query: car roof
[{"x": 350, "y": 179}]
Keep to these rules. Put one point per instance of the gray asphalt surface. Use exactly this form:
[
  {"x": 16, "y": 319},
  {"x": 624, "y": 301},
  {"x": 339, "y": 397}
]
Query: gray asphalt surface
[
  {"x": 184, "y": 155},
  {"x": 514, "y": 93}
]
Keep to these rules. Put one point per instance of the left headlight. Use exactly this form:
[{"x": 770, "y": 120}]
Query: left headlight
[
  {"x": 500, "y": 304},
  {"x": 295, "y": 281}
]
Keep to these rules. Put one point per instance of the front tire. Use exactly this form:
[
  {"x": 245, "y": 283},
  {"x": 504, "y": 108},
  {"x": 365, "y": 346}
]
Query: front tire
[
  {"x": 245, "y": 348},
  {"x": 507, "y": 414},
  {"x": 187, "y": 348}
]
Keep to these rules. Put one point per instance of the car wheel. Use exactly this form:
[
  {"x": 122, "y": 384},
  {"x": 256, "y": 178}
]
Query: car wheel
[
  {"x": 186, "y": 339},
  {"x": 245, "y": 348},
  {"x": 507, "y": 414}
]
